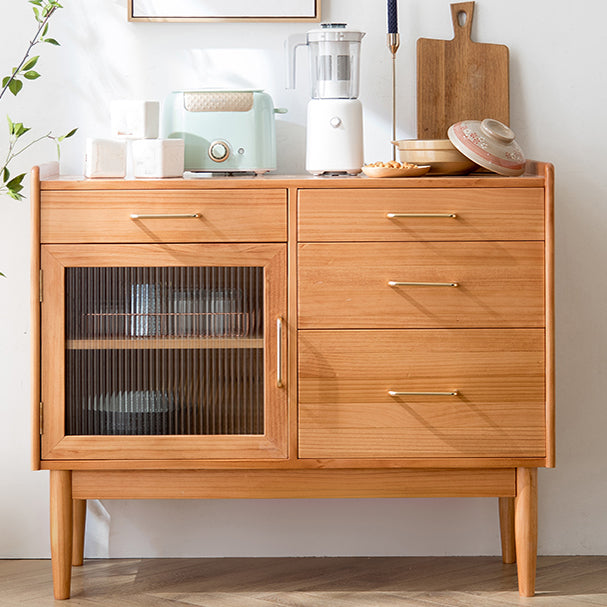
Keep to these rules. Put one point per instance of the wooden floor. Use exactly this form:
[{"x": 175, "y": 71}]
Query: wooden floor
[{"x": 308, "y": 582}]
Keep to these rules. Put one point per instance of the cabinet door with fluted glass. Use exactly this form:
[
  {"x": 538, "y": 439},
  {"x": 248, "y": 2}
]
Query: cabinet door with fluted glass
[{"x": 162, "y": 351}]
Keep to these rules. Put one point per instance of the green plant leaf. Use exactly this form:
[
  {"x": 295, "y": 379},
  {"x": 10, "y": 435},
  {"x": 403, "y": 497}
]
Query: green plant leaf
[
  {"x": 31, "y": 75},
  {"x": 36, "y": 2},
  {"x": 11, "y": 125},
  {"x": 28, "y": 65},
  {"x": 15, "y": 195},
  {"x": 17, "y": 128},
  {"x": 15, "y": 184},
  {"x": 15, "y": 86},
  {"x": 66, "y": 136},
  {"x": 5, "y": 81},
  {"x": 45, "y": 30},
  {"x": 3, "y": 275},
  {"x": 6, "y": 175},
  {"x": 51, "y": 41}
]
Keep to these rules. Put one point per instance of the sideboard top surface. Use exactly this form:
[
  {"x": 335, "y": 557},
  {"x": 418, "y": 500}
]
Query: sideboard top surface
[{"x": 534, "y": 177}]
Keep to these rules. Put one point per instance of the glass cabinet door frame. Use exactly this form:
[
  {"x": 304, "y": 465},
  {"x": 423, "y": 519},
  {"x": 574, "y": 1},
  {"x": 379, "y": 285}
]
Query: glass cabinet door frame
[{"x": 56, "y": 445}]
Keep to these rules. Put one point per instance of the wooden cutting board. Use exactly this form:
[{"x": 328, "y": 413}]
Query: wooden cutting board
[{"x": 460, "y": 79}]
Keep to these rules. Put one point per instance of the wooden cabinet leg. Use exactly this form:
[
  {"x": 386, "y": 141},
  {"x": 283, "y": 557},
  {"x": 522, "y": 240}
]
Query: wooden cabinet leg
[
  {"x": 525, "y": 529},
  {"x": 506, "y": 508},
  {"x": 79, "y": 526},
  {"x": 61, "y": 531}
]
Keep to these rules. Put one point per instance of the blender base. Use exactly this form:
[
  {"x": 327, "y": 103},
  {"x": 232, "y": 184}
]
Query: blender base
[{"x": 334, "y": 136}]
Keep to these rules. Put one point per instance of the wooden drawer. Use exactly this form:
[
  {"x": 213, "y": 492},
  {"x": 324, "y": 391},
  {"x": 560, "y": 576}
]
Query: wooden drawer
[
  {"x": 346, "y": 411},
  {"x": 480, "y": 214},
  {"x": 346, "y": 285},
  {"x": 105, "y": 216}
]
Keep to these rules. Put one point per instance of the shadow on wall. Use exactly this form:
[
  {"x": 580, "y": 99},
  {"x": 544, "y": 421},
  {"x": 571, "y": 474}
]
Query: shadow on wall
[{"x": 290, "y": 146}]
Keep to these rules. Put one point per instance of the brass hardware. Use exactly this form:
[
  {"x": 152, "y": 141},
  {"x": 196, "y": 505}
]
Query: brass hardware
[
  {"x": 394, "y": 393},
  {"x": 40, "y": 283},
  {"x": 393, "y": 40},
  {"x": 395, "y": 283},
  {"x": 398, "y": 215},
  {"x": 41, "y": 418},
  {"x": 279, "y": 380},
  {"x": 166, "y": 216}
]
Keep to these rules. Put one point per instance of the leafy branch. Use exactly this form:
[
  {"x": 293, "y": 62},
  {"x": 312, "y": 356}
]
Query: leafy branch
[{"x": 43, "y": 11}]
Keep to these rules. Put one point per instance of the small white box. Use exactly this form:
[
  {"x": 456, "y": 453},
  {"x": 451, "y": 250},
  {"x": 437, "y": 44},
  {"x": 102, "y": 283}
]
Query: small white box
[
  {"x": 135, "y": 119},
  {"x": 157, "y": 158},
  {"x": 105, "y": 158}
]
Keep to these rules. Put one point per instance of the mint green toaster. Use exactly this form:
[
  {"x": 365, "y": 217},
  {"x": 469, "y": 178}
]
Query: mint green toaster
[{"x": 224, "y": 130}]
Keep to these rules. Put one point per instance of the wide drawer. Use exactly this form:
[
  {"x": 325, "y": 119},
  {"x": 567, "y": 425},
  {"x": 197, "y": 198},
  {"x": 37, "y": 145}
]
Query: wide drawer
[
  {"x": 481, "y": 393},
  {"x": 164, "y": 216},
  {"x": 348, "y": 285},
  {"x": 428, "y": 214}
]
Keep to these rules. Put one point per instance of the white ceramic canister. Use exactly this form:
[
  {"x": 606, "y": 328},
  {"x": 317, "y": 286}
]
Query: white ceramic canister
[
  {"x": 158, "y": 158},
  {"x": 105, "y": 158}
]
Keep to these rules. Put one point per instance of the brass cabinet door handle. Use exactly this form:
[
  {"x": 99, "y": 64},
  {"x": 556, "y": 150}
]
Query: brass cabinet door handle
[
  {"x": 279, "y": 379},
  {"x": 399, "y": 215},
  {"x": 396, "y": 283},
  {"x": 395, "y": 393},
  {"x": 165, "y": 216}
]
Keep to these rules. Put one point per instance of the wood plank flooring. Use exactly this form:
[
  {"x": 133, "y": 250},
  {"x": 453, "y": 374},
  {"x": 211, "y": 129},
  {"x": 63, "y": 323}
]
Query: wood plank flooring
[{"x": 308, "y": 582}]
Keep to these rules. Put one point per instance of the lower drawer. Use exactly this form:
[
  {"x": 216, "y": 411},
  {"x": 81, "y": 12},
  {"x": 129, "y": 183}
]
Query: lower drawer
[{"x": 467, "y": 393}]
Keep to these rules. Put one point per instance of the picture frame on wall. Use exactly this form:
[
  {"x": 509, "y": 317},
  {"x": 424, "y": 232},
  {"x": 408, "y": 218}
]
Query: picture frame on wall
[{"x": 223, "y": 10}]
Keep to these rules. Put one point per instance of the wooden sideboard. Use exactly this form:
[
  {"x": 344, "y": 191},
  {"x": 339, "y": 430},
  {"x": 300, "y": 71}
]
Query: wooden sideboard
[{"x": 294, "y": 337}]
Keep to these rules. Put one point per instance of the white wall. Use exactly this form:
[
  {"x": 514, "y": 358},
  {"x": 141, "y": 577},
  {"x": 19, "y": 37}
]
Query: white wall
[{"x": 558, "y": 98}]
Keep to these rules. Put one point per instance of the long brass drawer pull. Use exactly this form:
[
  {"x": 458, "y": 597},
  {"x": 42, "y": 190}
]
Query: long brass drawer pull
[
  {"x": 279, "y": 380},
  {"x": 166, "y": 216},
  {"x": 395, "y": 283},
  {"x": 395, "y": 393},
  {"x": 399, "y": 215}
]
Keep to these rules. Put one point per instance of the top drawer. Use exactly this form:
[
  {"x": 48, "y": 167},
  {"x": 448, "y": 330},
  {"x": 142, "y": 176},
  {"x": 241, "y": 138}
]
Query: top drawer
[
  {"x": 479, "y": 214},
  {"x": 218, "y": 216}
]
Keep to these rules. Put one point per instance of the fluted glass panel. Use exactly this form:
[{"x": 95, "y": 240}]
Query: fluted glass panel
[{"x": 164, "y": 351}]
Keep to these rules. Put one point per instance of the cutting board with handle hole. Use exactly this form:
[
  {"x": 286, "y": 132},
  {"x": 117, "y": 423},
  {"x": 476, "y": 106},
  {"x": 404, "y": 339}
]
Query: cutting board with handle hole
[{"x": 460, "y": 79}]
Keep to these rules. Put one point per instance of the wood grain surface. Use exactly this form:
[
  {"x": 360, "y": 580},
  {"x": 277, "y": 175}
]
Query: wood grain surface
[
  {"x": 460, "y": 79},
  {"x": 346, "y": 285},
  {"x": 346, "y": 410},
  {"x": 105, "y": 216},
  {"x": 409, "y": 581},
  {"x": 353, "y": 214}
]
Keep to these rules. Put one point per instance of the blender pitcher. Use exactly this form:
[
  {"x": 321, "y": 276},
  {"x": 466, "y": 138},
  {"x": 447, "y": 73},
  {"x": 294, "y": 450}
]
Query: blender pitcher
[{"x": 334, "y": 127}]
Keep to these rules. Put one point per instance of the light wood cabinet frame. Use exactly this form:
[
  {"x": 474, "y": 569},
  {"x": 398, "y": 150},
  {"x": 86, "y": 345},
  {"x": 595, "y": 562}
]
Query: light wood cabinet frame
[
  {"x": 289, "y": 215},
  {"x": 57, "y": 446}
]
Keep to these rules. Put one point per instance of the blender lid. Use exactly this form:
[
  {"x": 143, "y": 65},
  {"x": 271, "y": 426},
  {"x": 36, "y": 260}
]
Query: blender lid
[{"x": 336, "y": 32}]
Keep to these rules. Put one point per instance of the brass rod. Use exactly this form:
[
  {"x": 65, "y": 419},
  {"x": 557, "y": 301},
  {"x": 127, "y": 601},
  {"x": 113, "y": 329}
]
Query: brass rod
[
  {"x": 397, "y": 215},
  {"x": 395, "y": 283},
  {"x": 166, "y": 216}
]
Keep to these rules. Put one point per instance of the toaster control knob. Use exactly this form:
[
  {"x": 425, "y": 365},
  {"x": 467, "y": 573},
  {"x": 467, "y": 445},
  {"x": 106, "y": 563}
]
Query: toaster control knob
[
  {"x": 335, "y": 122},
  {"x": 219, "y": 151}
]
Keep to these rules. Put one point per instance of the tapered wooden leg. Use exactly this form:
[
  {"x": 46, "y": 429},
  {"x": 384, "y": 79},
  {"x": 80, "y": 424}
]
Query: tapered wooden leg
[
  {"x": 525, "y": 529},
  {"x": 506, "y": 508},
  {"x": 79, "y": 526},
  {"x": 61, "y": 531}
]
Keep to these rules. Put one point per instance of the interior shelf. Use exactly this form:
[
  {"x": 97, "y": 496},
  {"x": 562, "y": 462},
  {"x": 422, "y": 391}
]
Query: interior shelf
[{"x": 167, "y": 343}]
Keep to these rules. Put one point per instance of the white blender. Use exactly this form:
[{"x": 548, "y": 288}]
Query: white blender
[{"x": 335, "y": 116}]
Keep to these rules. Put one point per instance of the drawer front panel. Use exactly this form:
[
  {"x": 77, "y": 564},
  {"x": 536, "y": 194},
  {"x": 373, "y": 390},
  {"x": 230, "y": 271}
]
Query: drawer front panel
[
  {"x": 480, "y": 214},
  {"x": 196, "y": 216},
  {"x": 346, "y": 285},
  {"x": 346, "y": 410}
]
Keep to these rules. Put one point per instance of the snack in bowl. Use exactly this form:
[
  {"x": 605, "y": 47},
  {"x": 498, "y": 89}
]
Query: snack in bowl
[{"x": 393, "y": 168}]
